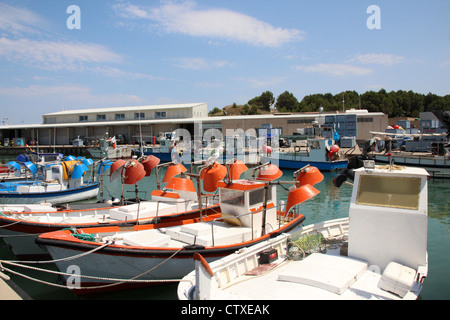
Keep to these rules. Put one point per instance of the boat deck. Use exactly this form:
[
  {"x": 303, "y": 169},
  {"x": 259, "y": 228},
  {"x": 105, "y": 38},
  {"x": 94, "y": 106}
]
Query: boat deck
[
  {"x": 96, "y": 213},
  {"x": 317, "y": 281},
  {"x": 203, "y": 233}
]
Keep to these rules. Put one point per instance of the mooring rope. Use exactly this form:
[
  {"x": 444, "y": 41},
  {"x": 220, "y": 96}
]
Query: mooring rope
[
  {"x": 11, "y": 224},
  {"x": 116, "y": 281}
]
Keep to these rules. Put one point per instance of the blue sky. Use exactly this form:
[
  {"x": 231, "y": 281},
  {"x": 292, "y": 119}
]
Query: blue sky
[{"x": 130, "y": 53}]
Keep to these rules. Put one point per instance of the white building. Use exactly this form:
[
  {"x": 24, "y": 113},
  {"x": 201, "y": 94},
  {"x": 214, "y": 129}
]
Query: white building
[{"x": 60, "y": 128}]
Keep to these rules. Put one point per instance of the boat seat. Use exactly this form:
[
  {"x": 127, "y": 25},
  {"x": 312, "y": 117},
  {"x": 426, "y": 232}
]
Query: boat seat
[
  {"x": 200, "y": 234},
  {"x": 146, "y": 210},
  {"x": 332, "y": 273},
  {"x": 147, "y": 238},
  {"x": 397, "y": 279}
]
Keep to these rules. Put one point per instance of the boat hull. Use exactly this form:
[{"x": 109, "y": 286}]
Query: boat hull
[
  {"x": 122, "y": 262},
  {"x": 84, "y": 192},
  {"x": 120, "y": 153},
  {"x": 21, "y": 236},
  {"x": 436, "y": 166},
  {"x": 163, "y": 156}
]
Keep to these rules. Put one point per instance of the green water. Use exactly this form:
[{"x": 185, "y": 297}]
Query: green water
[{"x": 331, "y": 203}]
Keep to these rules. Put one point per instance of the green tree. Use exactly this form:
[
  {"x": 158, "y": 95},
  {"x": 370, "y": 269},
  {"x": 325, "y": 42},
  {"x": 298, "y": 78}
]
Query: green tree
[
  {"x": 286, "y": 102},
  {"x": 264, "y": 101}
]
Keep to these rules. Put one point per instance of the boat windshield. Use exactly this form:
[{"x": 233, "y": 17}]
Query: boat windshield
[
  {"x": 233, "y": 197},
  {"x": 394, "y": 192}
]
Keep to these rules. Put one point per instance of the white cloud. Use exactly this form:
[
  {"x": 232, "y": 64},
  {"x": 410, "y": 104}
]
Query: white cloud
[
  {"x": 336, "y": 69},
  {"x": 186, "y": 18},
  {"x": 55, "y": 54},
  {"x": 19, "y": 20},
  {"x": 18, "y": 24},
  {"x": 377, "y": 58},
  {"x": 199, "y": 63}
]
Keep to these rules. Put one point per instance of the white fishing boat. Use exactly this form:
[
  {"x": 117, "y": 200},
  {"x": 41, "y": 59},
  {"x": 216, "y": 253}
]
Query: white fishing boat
[
  {"x": 25, "y": 165},
  {"x": 59, "y": 182},
  {"x": 162, "y": 252},
  {"x": 108, "y": 148},
  {"x": 318, "y": 153},
  {"x": 20, "y": 224},
  {"x": 379, "y": 252},
  {"x": 436, "y": 162}
]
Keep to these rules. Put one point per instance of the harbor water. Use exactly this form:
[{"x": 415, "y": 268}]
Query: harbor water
[{"x": 331, "y": 203}]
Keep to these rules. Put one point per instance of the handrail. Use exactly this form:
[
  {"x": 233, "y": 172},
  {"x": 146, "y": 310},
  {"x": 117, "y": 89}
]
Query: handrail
[{"x": 241, "y": 215}]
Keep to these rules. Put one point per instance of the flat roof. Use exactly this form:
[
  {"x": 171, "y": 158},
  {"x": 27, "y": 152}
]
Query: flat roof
[{"x": 125, "y": 109}]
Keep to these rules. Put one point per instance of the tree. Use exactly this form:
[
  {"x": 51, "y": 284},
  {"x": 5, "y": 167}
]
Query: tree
[
  {"x": 286, "y": 102},
  {"x": 264, "y": 101}
]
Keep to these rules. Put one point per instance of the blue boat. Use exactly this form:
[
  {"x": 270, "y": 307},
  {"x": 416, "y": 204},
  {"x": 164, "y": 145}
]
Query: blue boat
[
  {"x": 55, "y": 183},
  {"x": 318, "y": 153}
]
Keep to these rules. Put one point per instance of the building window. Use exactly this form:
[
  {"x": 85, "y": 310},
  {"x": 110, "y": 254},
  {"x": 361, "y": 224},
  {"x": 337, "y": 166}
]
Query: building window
[
  {"x": 160, "y": 115},
  {"x": 50, "y": 120},
  {"x": 365, "y": 120},
  {"x": 120, "y": 116},
  {"x": 83, "y": 118},
  {"x": 101, "y": 117},
  {"x": 139, "y": 116},
  {"x": 303, "y": 121}
]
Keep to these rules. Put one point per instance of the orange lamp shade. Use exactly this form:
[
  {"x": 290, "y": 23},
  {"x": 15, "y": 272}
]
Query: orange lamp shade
[
  {"x": 134, "y": 172},
  {"x": 236, "y": 169},
  {"x": 212, "y": 176},
  {"x": 181, "y": 184},
  {"x": 149, "y": 164},
  {"x": 269, "y": 173},
  {"x": 116, "y": 169},
  {"x": 172, "y": 171},
  {"x": 310, "y": 175},
  {"x": 300, "y": 195}
]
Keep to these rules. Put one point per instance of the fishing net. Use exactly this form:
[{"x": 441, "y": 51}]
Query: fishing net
[{"x": 300, "y": 246}]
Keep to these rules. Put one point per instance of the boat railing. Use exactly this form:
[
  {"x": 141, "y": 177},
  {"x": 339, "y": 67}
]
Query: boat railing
[
  {"x": 252, "y": 224},
  {"x": 235, "y": 217}
]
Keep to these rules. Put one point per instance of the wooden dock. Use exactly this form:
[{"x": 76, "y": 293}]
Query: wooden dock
[
  {"x": 66, "y": 150},
  {"x": 10, "y": 291}
]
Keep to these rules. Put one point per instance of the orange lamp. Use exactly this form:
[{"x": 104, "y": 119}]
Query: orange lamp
[
  {"x": 181, "y": 184},
  {"x": 172, "y": 171},
  {"x": 269, "y": 173},
  {"x": 116, "y": 169},
  {"x": 149, "y": 164},
  {"x": 310, "y": 175},
  {"x": 212, "y": 176},
  {"x": 236, "y": 169},
  {"x": 134, "y": 172},
  {"x": 300, "y": 195}
]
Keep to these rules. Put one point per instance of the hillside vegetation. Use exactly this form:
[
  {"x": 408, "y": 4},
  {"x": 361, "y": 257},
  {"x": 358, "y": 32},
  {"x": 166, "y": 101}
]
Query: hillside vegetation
[{"x": 394, "y": 103}]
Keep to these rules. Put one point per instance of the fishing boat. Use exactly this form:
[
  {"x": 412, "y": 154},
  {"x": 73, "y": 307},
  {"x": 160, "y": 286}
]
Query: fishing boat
[
  {"x": 379, "y": 252},
  {"x": 58, "y": 182},
  {"x": 114, "y": 258},
  {"x": 20, "y": 224},
  {"x": 318, "y": 153},
  {"x": 24, "y": 166},
  {"x": 108, "y": 148},
  {"x": 165, "y": 149},
  {"x": 433, "y": 156}
]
